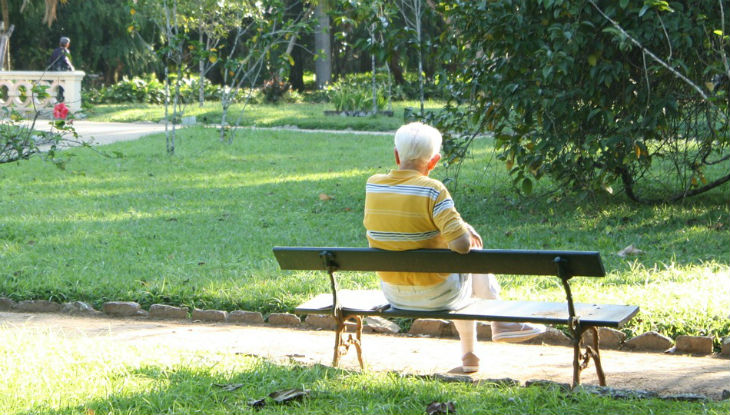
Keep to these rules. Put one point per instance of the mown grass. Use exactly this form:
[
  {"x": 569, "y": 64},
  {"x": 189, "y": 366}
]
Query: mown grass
[
  {"x": 302, "y": 115},
  {"x": 196, "y": 229},
  {"x": 47, "y": 373}
]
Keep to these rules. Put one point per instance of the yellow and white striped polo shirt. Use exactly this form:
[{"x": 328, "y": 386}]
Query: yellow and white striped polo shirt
[{"x": 406, "y": 210}]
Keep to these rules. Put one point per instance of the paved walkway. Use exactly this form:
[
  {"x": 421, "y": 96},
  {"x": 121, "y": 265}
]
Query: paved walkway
[
  {"x": 100, "y": 133},
  {"x": 110, "y": 132},
  {"x": 656, "y": 372}
]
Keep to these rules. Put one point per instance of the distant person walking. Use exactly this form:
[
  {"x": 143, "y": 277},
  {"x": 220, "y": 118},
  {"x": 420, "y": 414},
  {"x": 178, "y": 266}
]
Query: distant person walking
[{"x": 60, "y": 61}]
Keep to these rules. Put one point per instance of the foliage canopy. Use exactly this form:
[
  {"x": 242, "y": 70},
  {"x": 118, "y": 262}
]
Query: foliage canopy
[{"x": 594, "y": 93}]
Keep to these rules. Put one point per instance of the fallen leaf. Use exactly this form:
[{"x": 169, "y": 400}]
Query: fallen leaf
[
  {"x": 257, "y": 403},
  {"x": 288, "y": 395},
  {"x": 229, "y": 387},
  {"x": 440, "y": 408},
  {"x": 629, "y": 250},
  {"x": 245, "y": 354},
  {"x": 325, "y": 196}
]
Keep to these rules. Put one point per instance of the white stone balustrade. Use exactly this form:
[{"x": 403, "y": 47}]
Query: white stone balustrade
[{"x": 16, "y": 89}]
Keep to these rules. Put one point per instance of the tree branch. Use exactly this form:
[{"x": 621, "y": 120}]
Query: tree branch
[{"x": 657, "y": 59}]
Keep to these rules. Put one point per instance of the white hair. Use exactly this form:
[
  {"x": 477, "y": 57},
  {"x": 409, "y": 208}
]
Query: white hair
[{"x": 417, "y": 141}]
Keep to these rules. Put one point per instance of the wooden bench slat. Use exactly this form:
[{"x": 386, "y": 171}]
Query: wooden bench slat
[
  {"x": 496, "y": 261},
  {"x": 370, "y": 302}
]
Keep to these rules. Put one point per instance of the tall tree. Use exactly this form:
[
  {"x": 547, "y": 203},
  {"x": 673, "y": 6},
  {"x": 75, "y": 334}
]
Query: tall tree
[
  {"x": 214, "y": 20},
  {"x": 6, "y": 29},
  {"x": 262, "y": 28},
  {"x": 412, "y": 11},
  {"x": 322, "y": 44},
  {"x": 170, "y": 17}
]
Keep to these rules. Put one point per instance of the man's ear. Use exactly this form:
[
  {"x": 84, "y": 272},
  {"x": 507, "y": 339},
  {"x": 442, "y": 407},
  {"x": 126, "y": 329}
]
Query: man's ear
[
  {"x": 397, "y": 157},
  {"x": 434, "y": 160}
]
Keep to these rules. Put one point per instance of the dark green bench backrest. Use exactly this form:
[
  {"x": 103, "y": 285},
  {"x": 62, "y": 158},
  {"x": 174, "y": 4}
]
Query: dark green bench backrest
[{"x": 495, "y": 261}]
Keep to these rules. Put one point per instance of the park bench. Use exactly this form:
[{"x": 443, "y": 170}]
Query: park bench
[{"x": 348, "y": 306}]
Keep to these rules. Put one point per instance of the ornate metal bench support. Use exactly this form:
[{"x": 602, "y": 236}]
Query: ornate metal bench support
[
  {"x": 342, "y": 341},
  {"x": 577, "y": 329}
]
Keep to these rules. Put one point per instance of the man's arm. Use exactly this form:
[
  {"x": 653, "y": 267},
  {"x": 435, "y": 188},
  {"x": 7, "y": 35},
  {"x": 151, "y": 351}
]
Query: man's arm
[
  {"x": 467, "y": 241},
  {"x": 69, "y": 65},
  {"x": 461, "y": 244}
]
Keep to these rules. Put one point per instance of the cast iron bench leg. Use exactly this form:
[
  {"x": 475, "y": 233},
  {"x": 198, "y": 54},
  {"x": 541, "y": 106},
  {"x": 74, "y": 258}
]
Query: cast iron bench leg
[
  {"x": 343, "y": 340},
  {"x": 592, "y": 352}
]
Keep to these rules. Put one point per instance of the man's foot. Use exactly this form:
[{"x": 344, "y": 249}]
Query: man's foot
[
  {"x": 470, "y": 363},
  {"x": 515, "y": 332}
]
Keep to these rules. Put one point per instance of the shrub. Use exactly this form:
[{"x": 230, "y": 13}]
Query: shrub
[
  {"x": 274, "y": 89},
  {"x": 353, "y": 99},
  {"x": 354, "y": 94},
  {"x": 148, "y": 89},
  {"x": 317, "y": 96}
]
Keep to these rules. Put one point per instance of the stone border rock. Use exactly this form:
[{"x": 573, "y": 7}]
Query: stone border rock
[{"x": 609, "y": 338}]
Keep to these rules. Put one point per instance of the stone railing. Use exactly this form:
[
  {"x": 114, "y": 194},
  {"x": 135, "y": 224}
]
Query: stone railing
[{"x": 16, "y": 89}]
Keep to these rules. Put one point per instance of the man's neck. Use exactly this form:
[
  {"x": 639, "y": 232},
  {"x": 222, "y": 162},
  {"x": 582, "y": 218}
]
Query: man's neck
[{"x": 416, "y": 165}]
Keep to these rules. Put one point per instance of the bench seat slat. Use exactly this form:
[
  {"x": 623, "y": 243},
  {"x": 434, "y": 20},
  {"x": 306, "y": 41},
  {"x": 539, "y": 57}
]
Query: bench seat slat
[
  {"x": 482, "y": 261},
  {"x": 372, "y": 302}
]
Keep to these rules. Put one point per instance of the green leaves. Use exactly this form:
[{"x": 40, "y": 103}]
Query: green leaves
[
  {"x": 526, "y": 186},
  {"x": 589, "y": 93}
]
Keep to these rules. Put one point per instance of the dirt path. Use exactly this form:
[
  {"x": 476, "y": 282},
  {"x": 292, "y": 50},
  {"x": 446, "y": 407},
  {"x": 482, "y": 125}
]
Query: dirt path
[{"x": 660, "y": 373}]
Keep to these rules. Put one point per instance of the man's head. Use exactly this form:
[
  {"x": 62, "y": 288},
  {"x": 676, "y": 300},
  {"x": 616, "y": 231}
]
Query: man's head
[
  {"x": 64, "y": 42},
  {"x": 417, "y": 143}
]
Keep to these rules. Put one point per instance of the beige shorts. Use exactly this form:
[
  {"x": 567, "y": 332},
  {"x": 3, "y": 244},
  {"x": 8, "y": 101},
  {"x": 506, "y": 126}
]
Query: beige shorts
[{"x": 452, "y": 294}]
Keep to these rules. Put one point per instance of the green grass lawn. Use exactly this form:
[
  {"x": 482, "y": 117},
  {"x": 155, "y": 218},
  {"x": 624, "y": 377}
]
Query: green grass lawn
[
  {"x": 196, "y": 229},
  {"x": 301, "y": 115},
  {"x": 44, "y": 373}
]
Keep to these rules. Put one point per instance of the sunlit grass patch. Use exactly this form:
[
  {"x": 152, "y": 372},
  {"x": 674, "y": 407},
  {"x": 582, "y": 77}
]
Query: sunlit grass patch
[
  {"x": 301, "y": 115},
  {"x": 51, "y": 372},
  {"x": 196, "y": 229}
]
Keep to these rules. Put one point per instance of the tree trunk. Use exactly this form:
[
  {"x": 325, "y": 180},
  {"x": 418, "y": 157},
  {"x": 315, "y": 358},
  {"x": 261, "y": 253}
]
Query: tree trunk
[
  {"x": 5, "y": 47},
  {"x": 296, "y": 72},
  {"x": 420, "y": 51},
  {"x": 390, "y": 88},
  {"x": 293, "y": 49},
  {"x": 322, "y": 47},
  {"x": 372, "y": 69},
  {"x": 201, "y": 79},
  {"x": 395, "y": 69},
  {"x": 5, "y": 13},
  {"x": 5, "y": 31}
]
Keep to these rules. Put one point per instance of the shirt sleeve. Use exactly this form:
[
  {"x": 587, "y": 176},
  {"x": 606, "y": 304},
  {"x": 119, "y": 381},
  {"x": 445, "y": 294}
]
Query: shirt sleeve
[{"x": 446, "y": 218}]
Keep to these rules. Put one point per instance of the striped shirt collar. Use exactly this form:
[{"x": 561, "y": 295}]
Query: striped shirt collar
[{"x": 404, "y": 174}]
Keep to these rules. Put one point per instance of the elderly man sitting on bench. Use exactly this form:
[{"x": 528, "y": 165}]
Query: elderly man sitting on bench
[{"x": 405, "y": 209}]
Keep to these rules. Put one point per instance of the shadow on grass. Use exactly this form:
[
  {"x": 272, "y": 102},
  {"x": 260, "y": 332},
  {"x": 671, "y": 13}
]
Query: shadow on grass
[{"x": 181, "y": 389}]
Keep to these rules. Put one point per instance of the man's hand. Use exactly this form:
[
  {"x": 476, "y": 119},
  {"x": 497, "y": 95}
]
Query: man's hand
[{"x": 476, "y": 239}]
